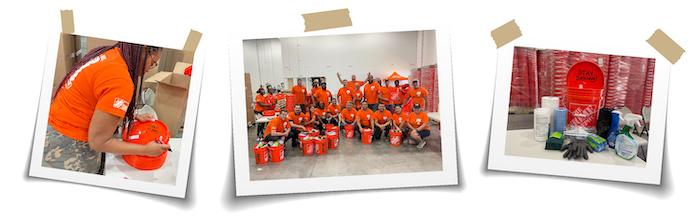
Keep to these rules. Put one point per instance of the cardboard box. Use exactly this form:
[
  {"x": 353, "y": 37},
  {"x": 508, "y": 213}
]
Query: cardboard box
[
  {"x": 250, "y": 114},
  {"x": 171, "y": 92},
  {"x": 180, "y": 67}
]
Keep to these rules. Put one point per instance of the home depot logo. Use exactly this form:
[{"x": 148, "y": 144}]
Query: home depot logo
[
  {"x": 69, "y": 83},
  {"x": 120, "y": 104}
]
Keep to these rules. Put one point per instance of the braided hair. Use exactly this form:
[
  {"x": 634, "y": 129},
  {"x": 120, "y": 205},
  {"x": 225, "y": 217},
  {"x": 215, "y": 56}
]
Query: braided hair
[{"x": 134, "y": 56}]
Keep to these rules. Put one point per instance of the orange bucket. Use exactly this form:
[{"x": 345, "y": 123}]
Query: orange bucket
[
  {"x": 269, "y": 113},
  {"x": 395, "y": 138},
  {"x": 329, "y": 127},
  {"x": 333, "y": 138},
  {"x": 321, "y": 145},
  {"x": 314, "y": 133},
  {"x": 276, "y": 153},
  {"x": 367, "y": 136},
  {"x": 261, "y": 155},
  {"x": 349, "y": 131},
  {"x": 307, "y": 146},
  {"x": 143, "y": 133}
]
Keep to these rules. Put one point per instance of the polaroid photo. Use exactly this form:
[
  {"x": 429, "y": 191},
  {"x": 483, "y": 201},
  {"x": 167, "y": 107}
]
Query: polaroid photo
[
  {"x": 117, "y": 114},
  {"x": 579, "y": 107},
  {"x": 350, "y": 110}
]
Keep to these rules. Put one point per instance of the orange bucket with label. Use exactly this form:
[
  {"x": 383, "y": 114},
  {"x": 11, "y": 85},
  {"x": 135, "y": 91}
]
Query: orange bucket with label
[
  {"x": 321, "y": 145},
  {"x": 307, "y": 146},
  {"x": 349, "y": 131},
  {"x": 333, "y": 138},
  {"x": 143, "y": 133},
  {"x": 276, "y": 153},
  {"x": 268, "y": 113},
  {"x": 261, "y": 155},
  {"x": 395, "y": 138},
  {"x": 314, "y": 133},
  {"x": 367, "y": 136}
]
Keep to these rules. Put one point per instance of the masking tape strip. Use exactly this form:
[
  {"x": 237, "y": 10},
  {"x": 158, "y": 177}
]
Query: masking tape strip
[
  {"x": 506, "y": 33},
  {"x": 666, "y": 46},
  {"x": 67, "y": 21},
  {"x": 192, "y": 41},
  {"x": 327, "y": 20}
]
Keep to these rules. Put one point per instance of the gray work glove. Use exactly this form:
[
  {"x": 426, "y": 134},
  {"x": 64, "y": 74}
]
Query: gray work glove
[{"x": 576, "y": 149}]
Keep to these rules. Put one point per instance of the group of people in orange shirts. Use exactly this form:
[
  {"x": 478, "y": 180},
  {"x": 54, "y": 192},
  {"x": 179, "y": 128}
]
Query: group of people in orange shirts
[{"x": 378, "y": 107}]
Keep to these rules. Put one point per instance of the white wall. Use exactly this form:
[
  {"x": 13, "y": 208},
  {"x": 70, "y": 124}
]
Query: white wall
[
  {"x": 263, "y": 60},
  {"x": 378, "y": 53}
]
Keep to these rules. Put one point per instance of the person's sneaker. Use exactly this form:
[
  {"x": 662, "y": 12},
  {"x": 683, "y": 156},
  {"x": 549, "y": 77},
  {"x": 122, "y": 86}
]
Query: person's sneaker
[{"x": 421, "y": 144}]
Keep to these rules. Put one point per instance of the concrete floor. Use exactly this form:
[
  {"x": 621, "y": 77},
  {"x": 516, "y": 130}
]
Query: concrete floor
[{"x": 350, "y": 158}]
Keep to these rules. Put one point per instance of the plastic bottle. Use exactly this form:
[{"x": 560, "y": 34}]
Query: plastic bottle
[
  {"x": 614, "y": 129},
  {"x": 625, "y": 146},
  {"x": 541, "y": 123}
]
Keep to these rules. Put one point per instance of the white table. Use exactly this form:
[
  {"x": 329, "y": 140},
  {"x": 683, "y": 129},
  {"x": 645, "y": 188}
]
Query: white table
[
  {"x": 116, "y": 167},
  {"x": 264, "y": 119},
  {"x": 434, "y": 117},
  {"x": 522, "y": 143}
]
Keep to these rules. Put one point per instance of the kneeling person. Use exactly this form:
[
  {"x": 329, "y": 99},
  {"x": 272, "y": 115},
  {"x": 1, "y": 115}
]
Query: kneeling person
[
  {"x": 418, "y": 125},
  {"x": 278, "y": 129},
  {"x": 382, "y": 124},
  {"x": 365, "y": 119}
]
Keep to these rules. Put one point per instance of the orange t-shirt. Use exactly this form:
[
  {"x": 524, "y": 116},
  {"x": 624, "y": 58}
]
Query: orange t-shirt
[
  {"x": 418, "y": 94},
  {"x": 385, "y": 92},
  {"x": 102, "y": 83},
  {"x": 416, "y": 120},
  {"x": 344, "y": 95},
  {"x": 318, "y": 112},
  {"x": 259, "y": 99},
  {"x": 399, "y": 118},
  {"x": 323, "y": 96},
  {"x": 299, "y": 94},
  {"x": 365, "y": 117},
  {"x": 357, "y": 95},
  {"x": 277, "y": 125},
  {"x": 333, "y": 109},
  {"x": 382, "y": 117},
  {"x": 315, "y": 89},
  {"x": 352, "y": 84},
  {"x": 348, "y": 115},
  {"x": 297, "y": 119},
  {"x": 270, "y": 99},
  {"x": 371, "y": 93},
  {"x": 394, "y": 95}
]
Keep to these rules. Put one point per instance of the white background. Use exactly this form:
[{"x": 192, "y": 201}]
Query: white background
[{"x": 481, "y": 193}]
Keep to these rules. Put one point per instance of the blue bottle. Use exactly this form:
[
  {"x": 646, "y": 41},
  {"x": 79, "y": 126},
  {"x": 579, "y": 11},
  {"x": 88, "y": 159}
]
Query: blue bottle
[{"x": 614, "y": 129}]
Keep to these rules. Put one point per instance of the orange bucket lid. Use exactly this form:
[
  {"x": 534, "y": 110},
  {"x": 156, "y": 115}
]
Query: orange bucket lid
[{"x": 143, "y": 133}]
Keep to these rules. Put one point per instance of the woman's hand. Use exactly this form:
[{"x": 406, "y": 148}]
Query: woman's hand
[
  {"x": 145, "y": 117},
  {"x": 155, "y": 149}
]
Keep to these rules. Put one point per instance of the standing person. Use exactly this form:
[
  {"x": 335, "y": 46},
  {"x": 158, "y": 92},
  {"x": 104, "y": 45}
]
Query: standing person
[
  {"x": 357, "y": 97},
  {"x": 91, "y": 102},
  {"x": 419, "y": 125},
  {"x": 396, "y": 94},
  {"x": 297, "y": 120},
  {"x": 344, "y": 94},
  {"x": 261, "y": 103},
  {"x": 299, "y": 92},
  {"x": 322, "y": 96},
  {"x": 314, "y": 87},
  {"x": 365, "y": 120},
  {"x": 278, "y": 129},
  {"x": 385, "y": 96},
  {"x": 347, "y": 115},
  {"x": 382, "y": 122},
  {"x": 334, "y": 110},
  {"x": 371, "y": 92},
  {"x": 418, "y": 94},
  {"x": 353, "y": 83},
  {"x": 271, "y": 98}
]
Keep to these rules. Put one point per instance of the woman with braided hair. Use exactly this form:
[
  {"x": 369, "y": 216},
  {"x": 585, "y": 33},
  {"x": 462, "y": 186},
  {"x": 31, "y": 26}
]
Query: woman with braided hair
[{"x": 91, "y": 101}]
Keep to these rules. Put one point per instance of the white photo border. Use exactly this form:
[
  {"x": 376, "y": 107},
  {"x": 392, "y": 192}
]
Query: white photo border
[
  {"x": 448, "y": 175},
  {"x": 650, "y": 174},
  {"x": 178, "y": 190}
]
